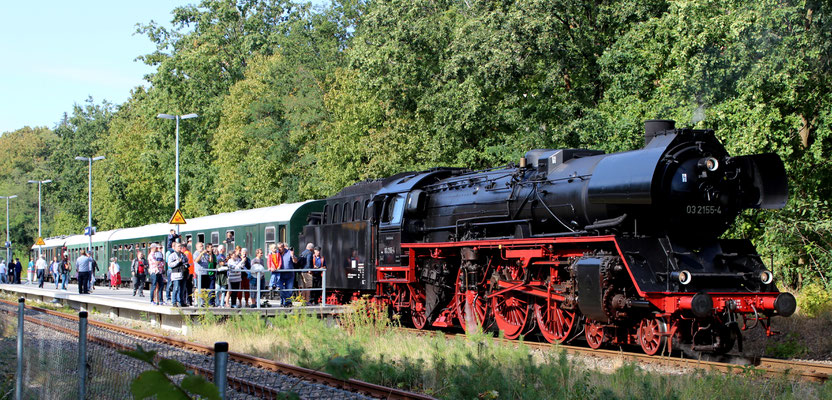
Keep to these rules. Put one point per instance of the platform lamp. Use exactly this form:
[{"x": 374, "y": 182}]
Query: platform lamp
[
  {"x": 40, "y": 183},
  {"x": 8, "y": 241},
  {"x": 177, "y": 118},
  {"x": 89, "y": 201}
]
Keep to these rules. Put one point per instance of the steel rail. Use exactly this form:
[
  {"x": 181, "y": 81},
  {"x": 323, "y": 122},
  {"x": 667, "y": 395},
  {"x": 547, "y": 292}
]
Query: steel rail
[
  {"x": 806, "y": 370},
  {"x": 307, "y": 374}
]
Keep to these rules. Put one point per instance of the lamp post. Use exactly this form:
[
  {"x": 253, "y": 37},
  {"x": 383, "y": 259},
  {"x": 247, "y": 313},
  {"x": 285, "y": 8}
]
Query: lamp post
[
  {"x": 40, "y": 248},
  {"x": 89, "y": 201},
  {"x": 8, "y": 241},
  {"x": 177, "y": 118}
]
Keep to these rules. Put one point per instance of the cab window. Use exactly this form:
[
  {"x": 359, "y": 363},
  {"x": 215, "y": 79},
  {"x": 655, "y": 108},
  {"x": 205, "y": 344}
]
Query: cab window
[{"x": 393, "y": 209}]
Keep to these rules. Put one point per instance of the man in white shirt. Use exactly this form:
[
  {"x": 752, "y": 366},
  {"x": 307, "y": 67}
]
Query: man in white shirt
[
  {"x": 41, "y": 267},
  {"x": 4, "y": 271}
]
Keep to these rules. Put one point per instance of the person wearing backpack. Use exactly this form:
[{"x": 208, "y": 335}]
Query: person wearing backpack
[
  {"x": 64, "y": 270},
  {"x": 177, "y": 263},
  {"x": 138, "y": 269}
]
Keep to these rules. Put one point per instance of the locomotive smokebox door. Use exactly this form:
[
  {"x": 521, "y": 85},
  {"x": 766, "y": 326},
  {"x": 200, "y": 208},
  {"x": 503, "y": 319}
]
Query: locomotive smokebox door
[{"x": 590, "y": 289}]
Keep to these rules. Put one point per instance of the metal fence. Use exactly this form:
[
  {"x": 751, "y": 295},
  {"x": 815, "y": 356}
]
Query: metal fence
[
  {"x": 62, "y": 359},
  {"x": 257, "y": 293}
]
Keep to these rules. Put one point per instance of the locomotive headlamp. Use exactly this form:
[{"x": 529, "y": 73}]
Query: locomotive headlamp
[
  {"x": 683, "y": 276},
  {"x": 709, "y": 163},
  {"x": 766, "y": 277}
]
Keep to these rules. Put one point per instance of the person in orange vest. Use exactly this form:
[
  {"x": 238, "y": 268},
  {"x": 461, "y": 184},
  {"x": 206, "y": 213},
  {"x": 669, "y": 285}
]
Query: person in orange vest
[{"x": 273, "y": 263}]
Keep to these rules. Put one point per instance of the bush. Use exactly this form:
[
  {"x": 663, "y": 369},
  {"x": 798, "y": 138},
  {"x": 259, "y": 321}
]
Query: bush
[
  {"x": 791, "y": 347},
  {"x": 814, "y": 299}
]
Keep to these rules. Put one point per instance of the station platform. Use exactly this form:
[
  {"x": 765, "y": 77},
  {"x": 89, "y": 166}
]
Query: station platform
[{"x": 122, "y": 304}]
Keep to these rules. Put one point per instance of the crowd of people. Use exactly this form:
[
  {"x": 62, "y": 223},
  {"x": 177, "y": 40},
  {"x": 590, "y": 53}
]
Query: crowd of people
[
  {"x": 181, "y": 277},
  {"x": 37, "y": 272}
]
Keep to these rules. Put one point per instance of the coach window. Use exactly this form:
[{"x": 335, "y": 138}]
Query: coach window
[
  {"x": 269, "y": 237},
  {"x": 200, "y": 238},
  {"x": 347, "y": 212},
  {"x": 281, "y": 233},
  {"x": 215, "y": 238},
  {"x": 229, "y": 244},
  {"x": 326, "y": 212}
]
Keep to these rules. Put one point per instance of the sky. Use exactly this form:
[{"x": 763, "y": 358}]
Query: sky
[{"x": 56, "y": 53}]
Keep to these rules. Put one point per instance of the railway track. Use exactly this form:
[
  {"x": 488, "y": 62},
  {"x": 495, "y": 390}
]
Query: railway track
[
  {"x": 770, "y": 367},
  {"x": 246, "y": 386}
]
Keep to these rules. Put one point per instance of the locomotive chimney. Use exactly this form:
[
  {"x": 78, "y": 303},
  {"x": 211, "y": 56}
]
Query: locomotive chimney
[{"x": 654, "y": 126}]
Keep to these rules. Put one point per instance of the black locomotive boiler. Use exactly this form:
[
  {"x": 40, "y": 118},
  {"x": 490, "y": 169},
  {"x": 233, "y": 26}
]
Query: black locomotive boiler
[{"x": 620, "y": 248}]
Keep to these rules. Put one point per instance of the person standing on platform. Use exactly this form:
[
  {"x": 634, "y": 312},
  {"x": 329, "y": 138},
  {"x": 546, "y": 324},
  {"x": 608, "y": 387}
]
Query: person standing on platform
[
  {"x": 305, "y": 262},
  {"x": 64, "y": 271},
  {"x": 318, "y": 262},
  {"x": 84, "y": 266},
  {"x": 55, "y": 270},
  {"x": 234, "y": 279},
  {"x": 221, "y": 287},
  {"x": 177, "y": 265},
  {"x": 18, "y": 271},
  {"x": 40, "y": 266},
  {"x": 138, "y": 271},
  {"x": 273, "y": 262},
  {"x": 93, "y": 271},
  {"x": 203, "y": 260},
  {"x": 287, "y": 279},
  {"x": 30, "y": 269},
  {"x": 114, "y": 273},
  {"x": 156, "y": 262},
  {"x": 187, "y": 279},
  {"x": 245, "y": 281},
  {"x": 258, "y": 280},
  {"x": 212, "y": 274},
  {"x": 4, "y": 271}
]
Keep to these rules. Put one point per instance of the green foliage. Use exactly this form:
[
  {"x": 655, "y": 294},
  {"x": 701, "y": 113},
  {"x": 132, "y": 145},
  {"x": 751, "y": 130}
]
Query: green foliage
[
  {"x": 157, "y": 381},
  {"x": 814, "y": 299},
  {"x": 297, "y": 102},
  {"x": 790, "y": 347}
]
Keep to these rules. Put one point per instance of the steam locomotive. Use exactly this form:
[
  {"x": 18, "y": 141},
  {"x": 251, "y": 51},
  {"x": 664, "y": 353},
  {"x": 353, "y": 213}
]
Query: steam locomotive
[{"x": 620, "y": 249}]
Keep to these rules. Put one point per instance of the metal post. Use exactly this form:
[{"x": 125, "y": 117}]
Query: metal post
[
  {"x": 40, "y": 248},
  {"x": 221, "y": 367},
  {"x": 8, "y": 248},
  {"x": 323, "y": 288},
  {"x": 18, "y": 388},
  {"x": 177, "y": 169},
  {"x": 82, "y": 355},
  {"x": 89, "y": 208},
  {"x": 198, "y": 277},
  {"x": 259, "y": 278}
]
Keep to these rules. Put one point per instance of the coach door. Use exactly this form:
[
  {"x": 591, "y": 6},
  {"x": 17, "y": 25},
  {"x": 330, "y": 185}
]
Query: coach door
[{"x": 390, "y": 231}]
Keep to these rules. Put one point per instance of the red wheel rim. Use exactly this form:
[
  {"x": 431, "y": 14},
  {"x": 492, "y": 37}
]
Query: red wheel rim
[
  {"x": 594, "y": 334},
  {"x": 417, "y": 309},
  {"x": 470, "y": 306},
  {"x": 511, "y": 313},
  {"x": 651, "y": 335},
  {"x": 556, "y": 325}
]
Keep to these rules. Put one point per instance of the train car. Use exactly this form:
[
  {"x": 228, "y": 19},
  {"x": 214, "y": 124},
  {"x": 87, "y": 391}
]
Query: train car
[
  {"x": 621, "y": 248},
  {"x": 53, "y": 247},
  {"x": 123, "y": 244},
  {"x": 100, "y": 242},
  {"x": 253, "y": 229},
  {"x": 256, "y": 228}
]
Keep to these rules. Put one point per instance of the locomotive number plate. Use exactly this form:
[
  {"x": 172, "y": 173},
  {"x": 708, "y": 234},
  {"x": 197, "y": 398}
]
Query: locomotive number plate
[{"x": 703, "y": 210}]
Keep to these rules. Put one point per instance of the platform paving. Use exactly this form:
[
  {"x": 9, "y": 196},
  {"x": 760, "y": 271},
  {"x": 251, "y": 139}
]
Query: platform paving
[{"x": 121, "y": 303}]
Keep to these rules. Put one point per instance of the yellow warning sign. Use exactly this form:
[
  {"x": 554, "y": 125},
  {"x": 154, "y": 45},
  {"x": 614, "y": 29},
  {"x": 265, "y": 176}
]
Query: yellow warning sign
[
  {"x": 40, "y": 242},
  {"x": 177, "y": 218}
]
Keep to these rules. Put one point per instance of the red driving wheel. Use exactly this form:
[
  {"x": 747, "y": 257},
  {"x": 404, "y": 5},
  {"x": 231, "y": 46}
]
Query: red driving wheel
[
  {"x": 511, "y": 313},
  {"x": 652, "y": 335},
  {"x": 556, "y": 325},
  {"x": 417, "y": 308},
  {"x": 470, "y": 306},
  {"x": 594, "y": 332}
]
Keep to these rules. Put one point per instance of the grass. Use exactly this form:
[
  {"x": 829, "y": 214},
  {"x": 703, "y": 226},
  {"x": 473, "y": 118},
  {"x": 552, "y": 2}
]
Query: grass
[{"x": 473, "y": 366}]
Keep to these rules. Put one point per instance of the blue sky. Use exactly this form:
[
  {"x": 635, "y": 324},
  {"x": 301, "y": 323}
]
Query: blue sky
[{"x": 54, "y": 54}]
